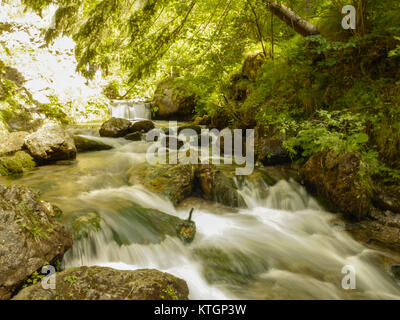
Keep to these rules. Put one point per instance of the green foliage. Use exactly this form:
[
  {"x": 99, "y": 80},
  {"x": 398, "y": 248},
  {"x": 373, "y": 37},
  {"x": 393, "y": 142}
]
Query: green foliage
[{"x": 337, "y": 130}]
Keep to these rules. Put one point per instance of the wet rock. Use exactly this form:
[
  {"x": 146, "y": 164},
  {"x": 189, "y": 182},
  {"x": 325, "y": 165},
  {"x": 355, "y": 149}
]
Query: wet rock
[
  {"x": 387, "y": 198},
  {"x": 49, "y": 144},
  {"x": 86, "y": 145},
  {"x": 115, "y": 128},
  {"x": 173, "y": 102},
  {"x": 84, "y": 225},
  {"x": 12, "y": 142},
  {"x": 336, "y": 178},
  {"x": 135, "y": 136},
  {"x": 229, "y": 266},
  {"x": 381, "y": 229},
  {"x": 30, "y": 237},
  {"x": 101, "y": 283},
  {"x": 270, "y": 151},
  {"x": 173, "y": 181},
  {"x": 142, "y": 126},
  {"x": 395, "y": 270},
  {"x": 216, "y": 186}
]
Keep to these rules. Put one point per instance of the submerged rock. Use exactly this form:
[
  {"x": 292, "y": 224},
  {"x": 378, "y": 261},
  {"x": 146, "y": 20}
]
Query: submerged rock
[
  {"x": 135, "y": 136},
  {"x": 216, "y": 186},
  {"x": 84, "y": 225},
  {"x": 101, "y": 283},
  {"x": 115, "y": 128},
  {"x": 85, "y": 145},
  {"x": 173, "y": 181},
  {"x": 337, "y": 178},
  {"x": 49, "y": 144},
  {"x": 142, "y": 126},
  {"x": 30, "y": 237}
]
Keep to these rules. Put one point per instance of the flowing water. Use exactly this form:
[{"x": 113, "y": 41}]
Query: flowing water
[
  {"x": 282, "y": 246},
  {"x": 130, "y": 110}
]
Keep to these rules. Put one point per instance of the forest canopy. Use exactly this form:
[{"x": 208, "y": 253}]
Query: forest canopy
[{"x": 321, "y": 85}]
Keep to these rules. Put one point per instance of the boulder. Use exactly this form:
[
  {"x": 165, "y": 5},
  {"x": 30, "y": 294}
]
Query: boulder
[
  {"x": 30, "y": 237},
  {"x": 115, "y": 128},
  {"x": 16, "y": 164},
  {"x": 142, "y": 126},
  {"x": 49, "y": 144},
  {"x": 252, "y": 64},
  {"x": 12, "y": 142},
  {"x": 102, "y": 283},
  {"x": 173, "y": 181},
  {"x": 135, "y": 136},
  {"x": 173, "y": 102},
  {"x": 217, "y": 186},
  {"x": 387, "y": 198},
  {"x": 22, "y": 121},
  {"x": 337, "y": 178},
  {"x": 381, "y": 229},
  {"x": 85, "y": 145},
  {"x": 270, "y": 151}
]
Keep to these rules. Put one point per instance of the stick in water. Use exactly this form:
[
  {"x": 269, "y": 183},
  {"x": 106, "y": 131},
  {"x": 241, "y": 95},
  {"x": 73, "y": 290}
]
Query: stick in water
[{"x": 190, "y": 214}]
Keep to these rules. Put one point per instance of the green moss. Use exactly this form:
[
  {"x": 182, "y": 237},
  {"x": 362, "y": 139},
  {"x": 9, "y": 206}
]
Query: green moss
[
  {"x": 16, "y": 164},
  {"x": 25, "y": 159},
  {"x": 171, "y": 294},
  {"x": 28, "y": 220},
  {"x": 11, "y": 166}
]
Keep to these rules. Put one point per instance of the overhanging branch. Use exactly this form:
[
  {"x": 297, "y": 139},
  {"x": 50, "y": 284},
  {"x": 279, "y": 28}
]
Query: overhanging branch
[{"x": 293, "y": 20}]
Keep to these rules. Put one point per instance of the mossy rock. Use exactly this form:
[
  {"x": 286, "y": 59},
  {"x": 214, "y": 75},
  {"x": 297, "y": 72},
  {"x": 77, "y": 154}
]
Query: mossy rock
[
  {"x": 16, "y": 164},
  {"x": 101, "y": 283},
  {"x": 218, "y": 186},
  {"x": 25, "y": 159},
  {"x": 173, "y": 181},
  {"x": 84, "y": 225},
  {"x": 86, "y": 145},
  {"x": 234, "y": 267}
]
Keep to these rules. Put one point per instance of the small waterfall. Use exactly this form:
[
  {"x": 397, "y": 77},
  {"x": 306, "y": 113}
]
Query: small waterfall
[{"x": 130, "y": 110}]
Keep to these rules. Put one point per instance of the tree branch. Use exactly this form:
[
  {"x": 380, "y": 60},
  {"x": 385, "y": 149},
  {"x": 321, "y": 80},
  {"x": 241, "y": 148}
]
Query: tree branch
[{"x": 293, "y": 20}]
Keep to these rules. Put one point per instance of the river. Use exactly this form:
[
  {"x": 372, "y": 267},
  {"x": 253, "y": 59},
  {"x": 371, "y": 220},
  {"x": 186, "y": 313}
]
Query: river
[{"x": 284, "y": 245}]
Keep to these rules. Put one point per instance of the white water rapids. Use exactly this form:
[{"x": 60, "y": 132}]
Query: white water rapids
[{"x": 283, "y": 246}]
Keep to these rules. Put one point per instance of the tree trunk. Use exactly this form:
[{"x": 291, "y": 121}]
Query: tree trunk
[{"x": 294, "y": 21}]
